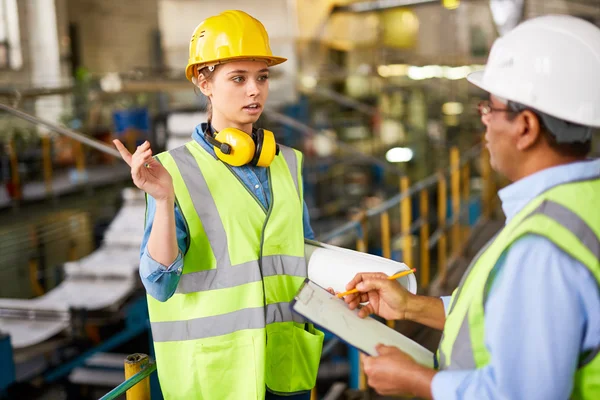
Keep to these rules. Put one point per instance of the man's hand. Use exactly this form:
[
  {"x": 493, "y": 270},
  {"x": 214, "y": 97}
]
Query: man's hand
[
  {"x": 386, "y": 298},
  {"x": 394, "y": 373}
]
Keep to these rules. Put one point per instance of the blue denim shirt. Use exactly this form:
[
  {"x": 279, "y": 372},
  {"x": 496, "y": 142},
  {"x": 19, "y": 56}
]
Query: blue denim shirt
[
  {"x": 160, "y": 280},
  {"x": 542, "y": 313}
]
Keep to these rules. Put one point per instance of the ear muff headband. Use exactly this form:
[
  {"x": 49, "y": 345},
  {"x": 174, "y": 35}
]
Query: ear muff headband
[{"x": 258, "y": 137}]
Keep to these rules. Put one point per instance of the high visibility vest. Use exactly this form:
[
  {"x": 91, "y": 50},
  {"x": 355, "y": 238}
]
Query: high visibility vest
[
  {"x": 569, "y": 216},
  {"x": 228, "y": 331}
]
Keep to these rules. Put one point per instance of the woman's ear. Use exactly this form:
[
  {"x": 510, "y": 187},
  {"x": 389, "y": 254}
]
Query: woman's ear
[{"x": 203, "y": 85}]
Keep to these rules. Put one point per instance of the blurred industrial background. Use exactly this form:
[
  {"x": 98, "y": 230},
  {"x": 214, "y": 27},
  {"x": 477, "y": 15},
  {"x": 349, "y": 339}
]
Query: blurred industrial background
[{"x": 373, "y": 94}]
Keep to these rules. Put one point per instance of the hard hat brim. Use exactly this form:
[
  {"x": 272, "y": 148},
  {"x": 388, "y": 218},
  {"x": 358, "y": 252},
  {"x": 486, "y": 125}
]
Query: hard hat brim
[
  {"x": 476, "y": 78},
  {"x": 270, "y": 60}
]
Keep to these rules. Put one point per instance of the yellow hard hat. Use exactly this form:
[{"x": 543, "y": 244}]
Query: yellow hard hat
[{"x": 231, "y": 35}]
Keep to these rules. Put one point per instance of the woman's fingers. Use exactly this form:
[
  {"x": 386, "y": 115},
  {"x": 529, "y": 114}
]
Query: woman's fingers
[{"x": 125, "y": 154}]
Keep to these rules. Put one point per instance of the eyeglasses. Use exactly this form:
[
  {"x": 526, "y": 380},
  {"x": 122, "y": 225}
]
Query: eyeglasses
[{"x": 485, "y": 107}]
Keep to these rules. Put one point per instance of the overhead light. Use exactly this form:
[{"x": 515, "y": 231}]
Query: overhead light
[
  {"x": 399, "y": 155},
  {"x": 451, "y": 4},
  {"x": 418, "y": 73},
  {"x": 309, "y": 82},
  {"x": 452, "y": 108}
]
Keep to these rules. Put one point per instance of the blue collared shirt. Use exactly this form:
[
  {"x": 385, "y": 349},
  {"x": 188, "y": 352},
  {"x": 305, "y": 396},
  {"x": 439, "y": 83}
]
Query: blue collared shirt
[
  {"x": 160, "y": 280},
  {"x": 542, "y": 313}
]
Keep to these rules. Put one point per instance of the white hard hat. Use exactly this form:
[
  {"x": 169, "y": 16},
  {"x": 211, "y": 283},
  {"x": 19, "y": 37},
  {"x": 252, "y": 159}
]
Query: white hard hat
[{"x": 549, "y": 63}]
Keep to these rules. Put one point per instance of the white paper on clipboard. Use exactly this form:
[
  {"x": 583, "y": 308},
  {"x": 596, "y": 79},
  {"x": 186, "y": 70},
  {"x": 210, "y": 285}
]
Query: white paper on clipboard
[{"x": 332, "y": 313}]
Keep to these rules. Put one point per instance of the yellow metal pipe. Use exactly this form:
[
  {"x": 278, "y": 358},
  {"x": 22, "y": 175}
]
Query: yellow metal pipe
[
  {"x": 362, "y": 240},
  {"x": 134, "y": 363},
  {"x": 73, "y": 250},
  {"x": 386, "y": 246},
  {"x": 405, "y": 218},
  {"x": 47, "y": 163},
  {"x": 455, "y": 193},
  {"x": 424, "y": 233},
  {"x": 361, "y": 245},
  {"x": 79, "y": 157},
  {"x": 14, "y": 168},
  {"x": 442, "y": 211}
]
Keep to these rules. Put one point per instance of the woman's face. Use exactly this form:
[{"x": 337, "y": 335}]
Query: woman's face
[{"x": 238, "y": 92}]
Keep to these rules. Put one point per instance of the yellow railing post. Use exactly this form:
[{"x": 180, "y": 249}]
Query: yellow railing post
[
  {"x": 134, "y": 363},
  {"x": 386, "y": 246},
  {"x": 362, "y": 240},
  {"x": 72, "y": 250},
  {"x": 442, "y": 212},
  {"x": 466, "y": 194},
  {"x": 14, "y": 168},
  {"x": 405, "y": 219},
  {"x": 455, "y": 192},
  {"x": 79, "y": 158},
  {"x": 424, "y": 236},
  {"x": 362, "y": 246},
  {"x": 47, "y": 163},
  {"x": 37, "y": 289}
]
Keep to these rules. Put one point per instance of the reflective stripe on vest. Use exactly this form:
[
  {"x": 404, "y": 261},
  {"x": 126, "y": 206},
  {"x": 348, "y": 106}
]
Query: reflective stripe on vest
[
  {"x": 201, "y": 328},
  {"x": 462, "y": 356},
  {"x": 292, "y": 163}
]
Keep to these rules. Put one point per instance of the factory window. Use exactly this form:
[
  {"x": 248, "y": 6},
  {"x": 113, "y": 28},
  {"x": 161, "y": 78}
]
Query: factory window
[{"x": 10, "y": 42}]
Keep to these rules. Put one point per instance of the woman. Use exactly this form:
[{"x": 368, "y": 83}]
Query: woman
[{"x": 221, "y": 269}]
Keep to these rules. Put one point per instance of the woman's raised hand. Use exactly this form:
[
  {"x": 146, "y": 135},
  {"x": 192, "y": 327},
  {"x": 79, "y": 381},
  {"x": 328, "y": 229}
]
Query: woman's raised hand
[{"x": 148, "y": 174}]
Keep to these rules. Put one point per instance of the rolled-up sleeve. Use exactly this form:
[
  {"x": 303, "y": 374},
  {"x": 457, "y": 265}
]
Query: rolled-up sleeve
[{"x": 160, "y": 281}]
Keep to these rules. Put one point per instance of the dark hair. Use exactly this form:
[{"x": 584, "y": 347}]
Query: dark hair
[
  {"x": 206, "y": 74},
  {"x": 573, "y": 149}
]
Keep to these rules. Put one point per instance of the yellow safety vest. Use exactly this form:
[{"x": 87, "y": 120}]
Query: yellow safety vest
[
  {"x": 569, "y": 216},
  {"x": 228, "y": 331}
]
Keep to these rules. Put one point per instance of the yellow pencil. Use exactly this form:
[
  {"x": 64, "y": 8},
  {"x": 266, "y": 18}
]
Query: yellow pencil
[{"x": 391, "y": 278}]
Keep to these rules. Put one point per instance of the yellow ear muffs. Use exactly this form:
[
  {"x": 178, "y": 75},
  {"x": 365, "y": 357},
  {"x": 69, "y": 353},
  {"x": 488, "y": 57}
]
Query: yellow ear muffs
[
  {"x": 266, "y": 148},
  {"x": 237, "y": 148},
  {"x": 234, "y": 147}
]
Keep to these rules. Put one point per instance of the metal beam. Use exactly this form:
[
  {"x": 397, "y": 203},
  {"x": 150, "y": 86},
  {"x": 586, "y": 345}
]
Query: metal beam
[
  {"x": 379, "y": 5},
  {"x": 98, "y": 145}
]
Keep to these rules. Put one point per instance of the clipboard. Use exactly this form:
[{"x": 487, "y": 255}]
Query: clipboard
[{"x": 324, "y": 309}]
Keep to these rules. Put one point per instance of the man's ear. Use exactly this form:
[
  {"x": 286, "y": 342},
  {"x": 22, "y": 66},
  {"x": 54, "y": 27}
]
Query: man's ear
[{"x": 529, "y": 130}]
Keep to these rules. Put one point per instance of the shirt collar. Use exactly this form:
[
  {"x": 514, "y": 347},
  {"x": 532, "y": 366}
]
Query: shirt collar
[{"x": 517, "y": 195}]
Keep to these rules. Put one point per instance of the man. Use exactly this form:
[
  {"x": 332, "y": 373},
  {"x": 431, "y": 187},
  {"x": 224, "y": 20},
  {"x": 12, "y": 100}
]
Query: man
[{"x": 525, "y": 320}]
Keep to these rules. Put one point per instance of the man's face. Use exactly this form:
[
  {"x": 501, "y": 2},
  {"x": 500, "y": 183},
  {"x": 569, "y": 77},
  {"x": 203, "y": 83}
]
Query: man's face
[{"x": 500, "y": 137}]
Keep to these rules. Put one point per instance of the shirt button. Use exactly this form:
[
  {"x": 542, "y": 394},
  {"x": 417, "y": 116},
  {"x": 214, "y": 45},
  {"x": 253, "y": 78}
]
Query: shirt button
[
  {"x": 179, "y": 270},
  {"x": 256, "y": 187}
]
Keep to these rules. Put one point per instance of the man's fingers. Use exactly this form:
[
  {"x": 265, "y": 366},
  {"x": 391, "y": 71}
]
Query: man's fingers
[
  {"x": 125, "y": 154},
  {"x": 383, "y": 349},
  {"x": 362, "y": 276},
  {"x": 366, "y": 311},
  {"x": 373, "y": 284},
  {"x": 350, "y": 298}
]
